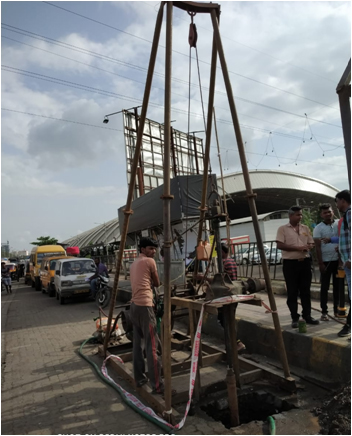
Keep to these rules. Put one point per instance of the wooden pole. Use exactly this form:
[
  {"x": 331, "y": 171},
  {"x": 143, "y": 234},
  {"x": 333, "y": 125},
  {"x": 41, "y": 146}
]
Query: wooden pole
[
  {"x": 222, "y": 184},
  {"x": 127, "y": 210},
  {"x": 207, "y": 151},
  {"x": 250, "y": 195},
  {"x": 167, "y": 197},
  {"x": 344, "y": 92}
]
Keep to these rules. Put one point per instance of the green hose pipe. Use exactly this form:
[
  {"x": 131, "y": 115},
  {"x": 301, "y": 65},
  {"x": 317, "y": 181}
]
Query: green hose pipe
[
  {"x": 272, "y": 426},
  {"x": 165, "y": 428}
]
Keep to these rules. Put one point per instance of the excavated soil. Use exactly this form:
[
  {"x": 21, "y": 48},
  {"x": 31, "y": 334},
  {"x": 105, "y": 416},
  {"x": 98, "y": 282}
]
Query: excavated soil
[{"x": 335, "y": 414}]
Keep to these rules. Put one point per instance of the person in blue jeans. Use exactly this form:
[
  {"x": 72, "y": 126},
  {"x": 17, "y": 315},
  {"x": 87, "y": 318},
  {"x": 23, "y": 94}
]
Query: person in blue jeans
[
  {"x": 328, "y": 258},
  {"x": 343, "y": 203},
  {"x": 101, "y": 270}
]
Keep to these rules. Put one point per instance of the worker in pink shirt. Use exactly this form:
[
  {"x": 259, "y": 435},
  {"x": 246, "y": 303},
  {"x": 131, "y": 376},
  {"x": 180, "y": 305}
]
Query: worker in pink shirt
[{"x": 144, "y": 276}]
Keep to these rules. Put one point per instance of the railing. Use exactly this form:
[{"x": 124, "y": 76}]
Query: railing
[
  {"x": 109, "y": 261},
  {"x": 249, "y": 263}
]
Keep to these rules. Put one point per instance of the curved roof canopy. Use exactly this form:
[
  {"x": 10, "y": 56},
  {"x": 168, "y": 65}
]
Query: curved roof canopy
[
  {"x": 276, "y": 190},
  {"x": 103, "y": 234}
]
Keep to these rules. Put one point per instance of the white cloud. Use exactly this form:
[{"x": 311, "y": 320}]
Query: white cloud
[{"x": 300, "y": 47}]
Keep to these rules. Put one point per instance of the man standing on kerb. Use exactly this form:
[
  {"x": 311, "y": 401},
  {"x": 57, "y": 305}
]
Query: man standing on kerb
[{"x": 295, "y": 242}]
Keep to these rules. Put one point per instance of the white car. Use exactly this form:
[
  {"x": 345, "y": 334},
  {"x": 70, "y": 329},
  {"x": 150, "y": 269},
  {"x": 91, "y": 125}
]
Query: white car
[
  {"x": 72, "y": 277},
  {"x": 247, "y": 255},
  {"x": 256, "y": 259},
  {"x": 275, "y": 256}
]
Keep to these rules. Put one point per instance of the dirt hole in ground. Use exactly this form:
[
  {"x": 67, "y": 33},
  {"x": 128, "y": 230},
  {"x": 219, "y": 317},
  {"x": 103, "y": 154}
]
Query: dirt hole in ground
[{"x": 254, "y": 406}]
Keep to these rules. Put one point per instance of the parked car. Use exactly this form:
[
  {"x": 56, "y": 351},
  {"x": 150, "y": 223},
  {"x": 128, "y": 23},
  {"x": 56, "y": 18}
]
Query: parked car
[
  {"x": 256, "y": 259},
  {"x": 47, "y": 274},
  {"x": 246, "y": 255},
  {"x": 275, "y": 256},
  {"x": 72, "y": 277}
]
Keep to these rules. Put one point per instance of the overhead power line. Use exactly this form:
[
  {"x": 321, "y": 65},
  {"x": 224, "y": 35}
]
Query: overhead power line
[
  {"x": 218, "y": 92},
  {"x": 186, "y": 55},
  {"x": 107, "y": 58},
  {"x": 136, "y": 100},
  {"x": 118, "y": 130},
  {"x": 59, "y": 119}
]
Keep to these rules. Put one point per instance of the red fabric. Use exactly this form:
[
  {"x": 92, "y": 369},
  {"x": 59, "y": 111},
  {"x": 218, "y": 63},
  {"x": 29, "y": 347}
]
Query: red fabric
[{"x": 72, "y": 251}]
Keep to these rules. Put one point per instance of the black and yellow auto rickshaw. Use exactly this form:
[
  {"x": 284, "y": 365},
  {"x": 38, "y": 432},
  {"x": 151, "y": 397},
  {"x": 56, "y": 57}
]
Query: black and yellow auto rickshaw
[{"x": 13, "y": 269}]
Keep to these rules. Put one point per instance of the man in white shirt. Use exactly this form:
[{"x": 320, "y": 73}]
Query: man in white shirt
[{"x": 327, "y": 258}]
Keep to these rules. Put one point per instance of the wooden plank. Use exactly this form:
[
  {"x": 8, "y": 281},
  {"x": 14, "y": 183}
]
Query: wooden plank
[
  {"x": 156, "y": 402},
  {"x": 210, "y": 307},
  {"x": 287, "y": 383},
  {"x": 126, "y": 347},
  {"x": 126, "y": 357},
  {"x": 197, "y": 7},
  {"x": 253, "y": 302},
  {"x": 193, "y": 305},
  {"x": 277, "y": 377},
  {"x": 207, "y": 361},
  {"x": 251, "y": 376}
]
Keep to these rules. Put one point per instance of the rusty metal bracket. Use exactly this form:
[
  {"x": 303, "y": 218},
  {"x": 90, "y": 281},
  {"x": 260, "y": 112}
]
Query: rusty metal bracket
[{"x": 252, "y": 195}]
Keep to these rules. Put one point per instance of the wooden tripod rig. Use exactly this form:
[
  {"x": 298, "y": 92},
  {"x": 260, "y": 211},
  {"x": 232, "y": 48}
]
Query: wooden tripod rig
[{"x": 217, "y": 49}]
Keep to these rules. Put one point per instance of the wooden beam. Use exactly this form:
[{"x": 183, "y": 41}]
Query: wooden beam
[
  {"x": 156, "y": 402},
  {"x": 197, "y": 7},
  {"x": 193, "y": 305},
  {"x": 251, "y": 376},
  {"x": 287, "y": 383}
]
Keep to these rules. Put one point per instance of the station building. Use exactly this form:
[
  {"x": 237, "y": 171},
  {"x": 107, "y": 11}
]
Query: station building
[{"x": 276, "y": 192}]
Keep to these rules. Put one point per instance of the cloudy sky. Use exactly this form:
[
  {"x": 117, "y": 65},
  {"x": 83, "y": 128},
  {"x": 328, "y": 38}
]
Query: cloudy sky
[{"x": 67, "y": 64}]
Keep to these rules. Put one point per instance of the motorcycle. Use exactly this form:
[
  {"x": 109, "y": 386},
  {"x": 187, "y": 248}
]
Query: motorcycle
[{"x": 104, "y": 292}]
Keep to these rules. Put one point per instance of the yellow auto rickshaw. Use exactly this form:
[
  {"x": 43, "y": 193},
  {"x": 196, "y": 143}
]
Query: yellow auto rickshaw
[{"x": 14, "y": 273}]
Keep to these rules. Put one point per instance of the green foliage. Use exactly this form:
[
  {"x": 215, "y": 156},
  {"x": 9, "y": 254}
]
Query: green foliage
[
  {"x": 45, "y": 240},
  {"x": 310, "y": 216}
]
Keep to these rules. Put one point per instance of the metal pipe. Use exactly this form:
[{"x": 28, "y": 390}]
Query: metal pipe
[
  {"x": 207, "y": 150},
  {"x": 250, "y": 195},
  {"x": 127, "y": 210},
  {"x": 166, "y": 212}
]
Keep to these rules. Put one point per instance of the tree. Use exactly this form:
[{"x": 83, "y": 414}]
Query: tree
[
  {"x": 45, "y": 240},
  {"x": 311, "y": 217}
]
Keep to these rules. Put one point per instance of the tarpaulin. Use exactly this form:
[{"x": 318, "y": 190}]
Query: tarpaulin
[{"x": 187, "y": 192}]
